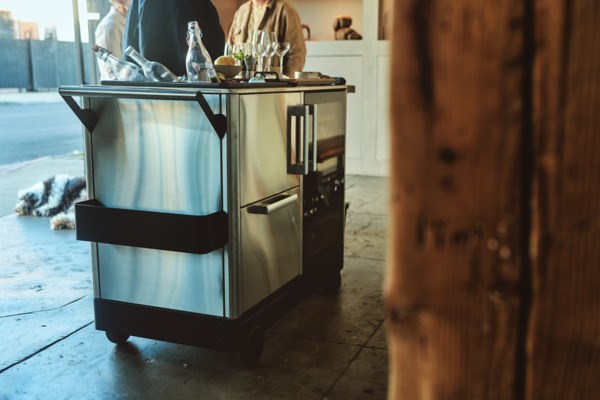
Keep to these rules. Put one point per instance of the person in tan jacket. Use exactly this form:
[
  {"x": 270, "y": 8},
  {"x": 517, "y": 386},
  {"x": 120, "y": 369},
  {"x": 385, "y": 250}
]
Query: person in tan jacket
[{"x": 271, "y": 15}]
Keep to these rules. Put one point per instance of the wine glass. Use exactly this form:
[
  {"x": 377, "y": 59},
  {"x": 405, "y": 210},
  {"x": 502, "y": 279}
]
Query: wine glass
[
  {"x": 260, "y": 46},
  {"x": 272, "y": 42},
  {"x": 282, "y": 49}
]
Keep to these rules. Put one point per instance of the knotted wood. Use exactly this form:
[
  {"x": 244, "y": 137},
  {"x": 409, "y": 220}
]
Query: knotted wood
[{"x": 494, "y": 151}]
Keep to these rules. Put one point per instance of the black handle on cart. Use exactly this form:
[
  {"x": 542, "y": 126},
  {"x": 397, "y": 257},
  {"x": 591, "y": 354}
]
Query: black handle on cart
[
  {"x": 87, "y": 117},
  {"x": 218, "y": 121},
  {"x": 298, "y": 151},
  {"x": 196, "y": 234}
]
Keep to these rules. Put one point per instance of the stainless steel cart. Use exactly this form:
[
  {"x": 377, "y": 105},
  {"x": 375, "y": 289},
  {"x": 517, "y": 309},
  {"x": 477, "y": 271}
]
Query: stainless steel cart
[{"x": 211, "y": 210}]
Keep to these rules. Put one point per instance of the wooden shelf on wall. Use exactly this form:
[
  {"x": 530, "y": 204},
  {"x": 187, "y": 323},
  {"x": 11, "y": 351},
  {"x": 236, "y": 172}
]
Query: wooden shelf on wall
[{"x": 319, "y": 15}]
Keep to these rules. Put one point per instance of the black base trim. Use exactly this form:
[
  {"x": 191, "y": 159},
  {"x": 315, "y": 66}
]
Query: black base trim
[
  {"x": 196, "y": 329},
  {"x": 198, "y": 234}
]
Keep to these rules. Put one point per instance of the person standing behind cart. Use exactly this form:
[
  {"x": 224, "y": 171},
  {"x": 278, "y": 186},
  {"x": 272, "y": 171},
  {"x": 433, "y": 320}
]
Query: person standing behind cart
[
  {"x": 109, "y": 33},
  {"x": 158, "y": 28},
  {"x": 271, "y": 16}
]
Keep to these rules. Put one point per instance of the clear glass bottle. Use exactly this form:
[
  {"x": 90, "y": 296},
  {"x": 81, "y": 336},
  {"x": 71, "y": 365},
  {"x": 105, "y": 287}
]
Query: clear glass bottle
[
  {"x": 153, "y": 70},
  {"x": 198, "y": 62},
  {"x": 119, "y": 70}
]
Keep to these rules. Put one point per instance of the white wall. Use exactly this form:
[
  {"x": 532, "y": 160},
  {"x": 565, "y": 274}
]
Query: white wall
[{"x": 364, "y": 64}]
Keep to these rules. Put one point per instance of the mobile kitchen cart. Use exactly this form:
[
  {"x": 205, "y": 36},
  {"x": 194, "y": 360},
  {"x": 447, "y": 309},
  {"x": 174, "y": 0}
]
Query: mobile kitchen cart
[{"x": 211, "y": 210}]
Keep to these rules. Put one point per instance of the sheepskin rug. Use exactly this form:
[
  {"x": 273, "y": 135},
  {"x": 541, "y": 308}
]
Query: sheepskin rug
[{"x": 55, "y": 197}]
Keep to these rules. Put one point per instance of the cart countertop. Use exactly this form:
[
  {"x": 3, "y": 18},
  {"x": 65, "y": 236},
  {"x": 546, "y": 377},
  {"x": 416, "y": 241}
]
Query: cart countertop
[{"x": 186, "y": 91}]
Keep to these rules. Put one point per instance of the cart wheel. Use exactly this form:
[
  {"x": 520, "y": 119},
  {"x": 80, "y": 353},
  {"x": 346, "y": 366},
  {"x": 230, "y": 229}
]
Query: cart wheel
[
  {"x": 117, "y": 338},
  {"x": 332, "y": 282},
  {"x": 252, "y": 350}
]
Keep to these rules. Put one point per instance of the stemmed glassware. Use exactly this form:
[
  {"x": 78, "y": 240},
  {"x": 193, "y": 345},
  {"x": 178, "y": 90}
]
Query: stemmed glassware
[
  {"x": 272, "y": 42},
  {"x": 260, "y": 47},
  {"x": 281, "y": 49}
]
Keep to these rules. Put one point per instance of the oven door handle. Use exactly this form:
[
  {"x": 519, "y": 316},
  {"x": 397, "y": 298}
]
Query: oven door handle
[
  {"x": 313, "y": 112},
  {"x": 298, "y": 150},
  {"x": 270, "y": 206},
  {"x": 305, "y": 160}
]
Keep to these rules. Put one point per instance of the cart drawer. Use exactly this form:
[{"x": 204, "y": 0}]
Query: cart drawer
[{"x": 271, "y": 240}]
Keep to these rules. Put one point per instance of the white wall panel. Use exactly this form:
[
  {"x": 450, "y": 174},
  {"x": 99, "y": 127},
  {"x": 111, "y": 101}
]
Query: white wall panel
[{"x": 349, "y": 67}]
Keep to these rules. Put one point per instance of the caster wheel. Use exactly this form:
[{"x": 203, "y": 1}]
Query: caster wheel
[
  {"x": 116, "y": 338},
  {"x": 332, "y": 283},
  {"x": 252, "y": 350}
]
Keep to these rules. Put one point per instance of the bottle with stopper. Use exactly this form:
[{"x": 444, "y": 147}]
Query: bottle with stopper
[{"x": 198, "y": 63}]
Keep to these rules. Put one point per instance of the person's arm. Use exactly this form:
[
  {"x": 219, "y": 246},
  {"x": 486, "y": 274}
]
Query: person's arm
[
  {"x": 239, "y": 25},
  {"x": 231, "y": 35},
  {"x": 295, "y": 58}
]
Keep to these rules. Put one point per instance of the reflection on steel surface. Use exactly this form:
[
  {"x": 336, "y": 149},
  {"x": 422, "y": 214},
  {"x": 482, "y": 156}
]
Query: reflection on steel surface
[
  {"x": 163, "y": 156},
  {"x": 263, "y": 164}
]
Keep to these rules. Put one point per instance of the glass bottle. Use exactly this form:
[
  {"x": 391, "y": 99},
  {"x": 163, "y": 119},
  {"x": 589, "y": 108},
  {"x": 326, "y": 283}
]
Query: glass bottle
[
  {"x": 120, "y": 70},
  {"x": 153, "y": 70},
  {"x": 198, "y": 62}
]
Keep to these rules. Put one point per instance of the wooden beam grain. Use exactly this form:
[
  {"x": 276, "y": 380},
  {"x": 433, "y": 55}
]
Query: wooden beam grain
[
  {"x": 564, "y": 333},
  {"x": 453, "y": 292}
]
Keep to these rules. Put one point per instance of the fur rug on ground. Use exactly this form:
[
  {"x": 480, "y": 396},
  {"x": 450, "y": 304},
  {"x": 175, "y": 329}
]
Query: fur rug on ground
[{"x": 55, "y": 197}]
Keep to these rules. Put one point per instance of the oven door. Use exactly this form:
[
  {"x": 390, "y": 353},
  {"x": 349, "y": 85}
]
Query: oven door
[{"x": 328, "y": 119}]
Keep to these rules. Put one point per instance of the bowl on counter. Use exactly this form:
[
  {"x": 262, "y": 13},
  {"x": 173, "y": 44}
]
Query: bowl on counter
[{"x": 228, "y": 70}]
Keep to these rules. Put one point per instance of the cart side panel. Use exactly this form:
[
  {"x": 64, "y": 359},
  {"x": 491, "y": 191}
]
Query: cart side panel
[
  {"x": 161, "y": 156},
  {"x": 166, "y": 279}
]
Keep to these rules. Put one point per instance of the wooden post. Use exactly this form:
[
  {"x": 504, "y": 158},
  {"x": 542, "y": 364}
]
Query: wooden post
[
  {"x": 564, "y": 332},
  {"x": 495, "y": 200}
]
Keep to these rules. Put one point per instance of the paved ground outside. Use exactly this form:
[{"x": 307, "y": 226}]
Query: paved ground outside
[
  {"x": 9, "y": 96},
  {"x": 21, "y": 175}
]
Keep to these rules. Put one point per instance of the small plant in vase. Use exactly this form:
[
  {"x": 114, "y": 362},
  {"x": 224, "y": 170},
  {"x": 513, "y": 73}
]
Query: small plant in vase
[{"x": 248, "y": 62}]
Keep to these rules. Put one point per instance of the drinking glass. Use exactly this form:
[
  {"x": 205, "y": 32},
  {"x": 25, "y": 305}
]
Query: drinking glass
[
  {"x": 260, "y": 46},
  {"x": 272, "y": 43},
  {"x": 282, "y": 49}
]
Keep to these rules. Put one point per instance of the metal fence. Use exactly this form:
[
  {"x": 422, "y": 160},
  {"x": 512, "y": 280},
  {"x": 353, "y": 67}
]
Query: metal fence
[{"x": 41, "y": 64}]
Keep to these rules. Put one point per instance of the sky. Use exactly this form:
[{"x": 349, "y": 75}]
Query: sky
[{"x": 48, "y": 13}]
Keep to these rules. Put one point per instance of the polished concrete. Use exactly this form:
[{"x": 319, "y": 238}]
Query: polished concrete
[{"x": 327, "y": 347}]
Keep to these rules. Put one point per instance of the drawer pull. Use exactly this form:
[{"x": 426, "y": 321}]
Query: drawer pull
[{"x": 272, "y": 205}]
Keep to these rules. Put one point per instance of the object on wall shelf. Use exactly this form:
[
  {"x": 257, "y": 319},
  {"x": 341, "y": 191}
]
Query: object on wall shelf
[
  {"x": 306, "y": 31},
  {"x": 341, "y": 26},
  {"x": 385, "y": 19}
]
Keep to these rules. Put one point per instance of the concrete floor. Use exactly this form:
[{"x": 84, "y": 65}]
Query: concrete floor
[{"x": 327, "y": 347}]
